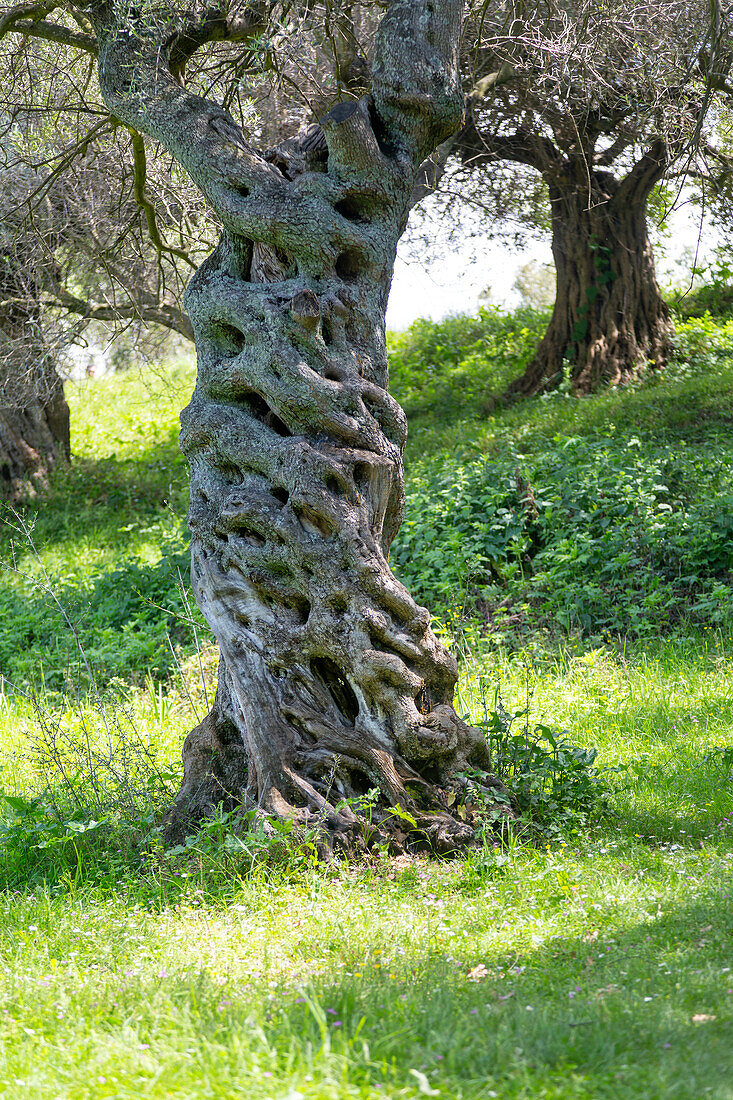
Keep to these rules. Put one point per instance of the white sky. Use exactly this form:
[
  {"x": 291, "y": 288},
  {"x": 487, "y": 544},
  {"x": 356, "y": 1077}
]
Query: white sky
[{"x": 453, "y": 283}]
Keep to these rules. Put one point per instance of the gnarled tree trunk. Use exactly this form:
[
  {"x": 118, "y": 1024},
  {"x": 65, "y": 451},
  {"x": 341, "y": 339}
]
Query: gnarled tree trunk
[
  {"x": 609, "y": 324},
  {"x": 34, "y": 416},
  {"x": 33, "y": 439},
  {"x": 331, "y": 683}
]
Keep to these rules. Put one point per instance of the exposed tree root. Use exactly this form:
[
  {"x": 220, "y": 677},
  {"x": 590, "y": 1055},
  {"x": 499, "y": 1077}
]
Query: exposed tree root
[{"x": 350, "y": 797}]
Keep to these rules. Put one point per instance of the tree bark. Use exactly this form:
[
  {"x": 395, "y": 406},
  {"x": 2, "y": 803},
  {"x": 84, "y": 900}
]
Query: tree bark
[
  {"x": 33, "y": 440},
  {"x": 331, "y": 682},
  {"x": 34, "y": 415},
  {"x": 609, "y": 324}
]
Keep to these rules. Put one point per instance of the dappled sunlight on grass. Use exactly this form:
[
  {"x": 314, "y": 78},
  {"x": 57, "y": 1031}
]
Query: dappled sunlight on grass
[
  {"x": 127, "y": 487},
  {"x": 596, "y": 965},
  {"x": 561, "y": 974},
  {"x": 146, "y": 405}
]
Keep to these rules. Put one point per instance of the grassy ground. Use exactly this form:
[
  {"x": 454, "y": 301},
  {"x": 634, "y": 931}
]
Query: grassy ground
[{"x": 595, "y": 964}]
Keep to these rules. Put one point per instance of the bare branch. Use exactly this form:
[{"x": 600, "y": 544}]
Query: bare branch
[
  {"x": 54, "y": 32},
  {"x": 168, "y": 316}
]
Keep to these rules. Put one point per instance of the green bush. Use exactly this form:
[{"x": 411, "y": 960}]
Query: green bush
[
  {"x": 553, "y": 783},
  {"x": 459, "y": 366},
  {"x": 713, "y": 298},
  {"x": 594, "y": 533}
]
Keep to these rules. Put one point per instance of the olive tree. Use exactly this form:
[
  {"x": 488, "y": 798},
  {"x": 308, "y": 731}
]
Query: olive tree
[
  {"x": 34, "y": 415},
  {"x": 599, "y": 99},
  {"x": 332, "y": 684},
  {"x": 90, "y": 232}
]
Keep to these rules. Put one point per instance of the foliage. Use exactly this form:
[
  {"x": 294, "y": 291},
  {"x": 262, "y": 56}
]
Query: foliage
[
  {"x": 610, "y": 514},
  {"x": 462, "y": 362},
  {"x": 535, "y": 283},
  {"x": 713, "y": 297},
  {"x": 619, "y": 535}
]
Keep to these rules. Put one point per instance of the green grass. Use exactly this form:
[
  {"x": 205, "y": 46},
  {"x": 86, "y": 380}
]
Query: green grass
[
  {"x": 597, "y": 964},
  {"x": 566, "y": 975}
]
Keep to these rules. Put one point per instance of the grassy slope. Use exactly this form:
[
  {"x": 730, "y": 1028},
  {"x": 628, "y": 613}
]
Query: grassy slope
[{"x": 596, "y": 967}]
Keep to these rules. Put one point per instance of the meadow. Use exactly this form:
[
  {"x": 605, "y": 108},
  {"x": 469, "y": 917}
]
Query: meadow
[{"x": 578, "y": 556}]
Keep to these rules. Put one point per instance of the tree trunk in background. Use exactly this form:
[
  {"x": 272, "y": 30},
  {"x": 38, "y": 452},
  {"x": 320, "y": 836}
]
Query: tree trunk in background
[
  {"x": 34, "y": 416},
  {"x": 609, "y": 324},
  {"x": 331, "y": 682},
  {"x": 32, "y": 441}
]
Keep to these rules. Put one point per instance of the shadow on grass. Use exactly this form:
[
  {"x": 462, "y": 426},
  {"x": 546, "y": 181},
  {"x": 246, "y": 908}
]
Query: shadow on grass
[
  {"x": 559, "y": 1021},
  {"x": 638, "y": 1011},
  {"x": 104, "y": 500},
  {"x": 125, "y": 618}
]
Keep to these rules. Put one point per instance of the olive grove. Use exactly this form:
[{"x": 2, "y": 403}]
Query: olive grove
[{"x": 88, "y": 233}]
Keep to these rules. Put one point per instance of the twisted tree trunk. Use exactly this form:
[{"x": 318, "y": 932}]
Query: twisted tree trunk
[
  {"x": 609, "y": 324},
  {"x": 331, "y": 683}
]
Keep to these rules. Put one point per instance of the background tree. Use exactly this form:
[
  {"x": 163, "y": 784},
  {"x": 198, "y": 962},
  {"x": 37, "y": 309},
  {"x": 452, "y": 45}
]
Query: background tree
[
  {"x": 89, "y": 234},
  {"x": 34, "y": 415},
  {"x": 599, "y": 97},
  {"x": 331, "y": 682},
  {"x": 535, "y": 284}
]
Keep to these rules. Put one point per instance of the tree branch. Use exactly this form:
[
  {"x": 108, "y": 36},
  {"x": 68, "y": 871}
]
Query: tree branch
[
  {"x": 169, "y": 316},
  {"x": 605, "y": 158},
  {"x": 25, "y": 11},
  {"x": 140, "y": 168},
  {"x": 646, "y": 172},
  {"x": 218, "y": 25},
  {"x": 525, "y": 148},
  {"x": 55, "y": 32}
]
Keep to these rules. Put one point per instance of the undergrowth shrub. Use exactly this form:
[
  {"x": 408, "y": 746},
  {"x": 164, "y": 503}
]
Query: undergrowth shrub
[
  {"x": 714, "y": 297},
  {"x": 462, "y": 364},
  {"x": 698, "y": 345},
  {"x": 97, "y": 814},
  {"x": 594, "y": 533},
  {"x": 553, "y": 783},
  {"x": 101, "y": 785}
]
